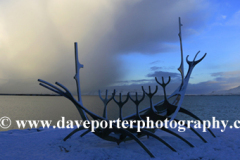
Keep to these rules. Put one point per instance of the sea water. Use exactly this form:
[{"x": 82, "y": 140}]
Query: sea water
[{"x": 55, "y": 107}]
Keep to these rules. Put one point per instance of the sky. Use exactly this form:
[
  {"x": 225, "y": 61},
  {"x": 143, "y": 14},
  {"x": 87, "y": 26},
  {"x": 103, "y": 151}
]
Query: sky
[{"x": 122, "y": 44}]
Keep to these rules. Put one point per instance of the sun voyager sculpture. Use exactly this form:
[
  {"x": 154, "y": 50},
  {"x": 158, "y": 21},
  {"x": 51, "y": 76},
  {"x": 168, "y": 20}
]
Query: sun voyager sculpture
[{"x": 160, "y": 111}]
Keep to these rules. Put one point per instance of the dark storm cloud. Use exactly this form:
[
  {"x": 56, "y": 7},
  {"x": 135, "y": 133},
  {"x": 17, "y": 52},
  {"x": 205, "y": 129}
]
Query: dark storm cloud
[
  {"x": 37, "y": 38},
  {"x": 149, "y": 26}
]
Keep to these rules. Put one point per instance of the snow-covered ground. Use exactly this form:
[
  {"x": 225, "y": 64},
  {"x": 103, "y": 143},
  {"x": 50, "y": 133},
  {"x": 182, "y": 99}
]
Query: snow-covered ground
[{"x": 49, "y": 144}]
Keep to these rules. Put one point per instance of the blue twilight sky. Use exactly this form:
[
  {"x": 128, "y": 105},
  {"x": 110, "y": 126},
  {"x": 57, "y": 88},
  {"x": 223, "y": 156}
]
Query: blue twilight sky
[{"x": 122, "y": 44}]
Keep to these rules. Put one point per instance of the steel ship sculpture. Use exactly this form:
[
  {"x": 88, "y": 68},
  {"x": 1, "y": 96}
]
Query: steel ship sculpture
[{"x": 159, "y": 111}]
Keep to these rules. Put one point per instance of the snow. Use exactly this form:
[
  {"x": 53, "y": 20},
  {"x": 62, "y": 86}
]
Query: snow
[{"x": 49, "y": 144}]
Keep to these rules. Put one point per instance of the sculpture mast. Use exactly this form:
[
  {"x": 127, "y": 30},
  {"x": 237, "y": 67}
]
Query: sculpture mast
[
  {"x": 76, "y": 77},
  {"x": 181, "y": 65}
]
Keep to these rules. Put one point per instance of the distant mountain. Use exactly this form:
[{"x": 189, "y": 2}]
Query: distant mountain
[{"x": 233, "y": 91}]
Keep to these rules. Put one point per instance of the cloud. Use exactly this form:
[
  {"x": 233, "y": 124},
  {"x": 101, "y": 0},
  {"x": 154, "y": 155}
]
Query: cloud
[
  {"x": 136, "y": 81},
  {"x": 135, "y": 85},
  {"x": 199, "y": 88},
  {"x": 227, "y": 80},
  {"x": 221, "y": 81},
  {"x": 164, "y": 74},
  {"x": 226, "y": 74},
  {"x": 155, "y": 68},
  {"x": 234, "y": 20},
  {"x": 224, "y": 16},
  {"x": 37, "y": 38},
  {"x": 154, "y": 62}
]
